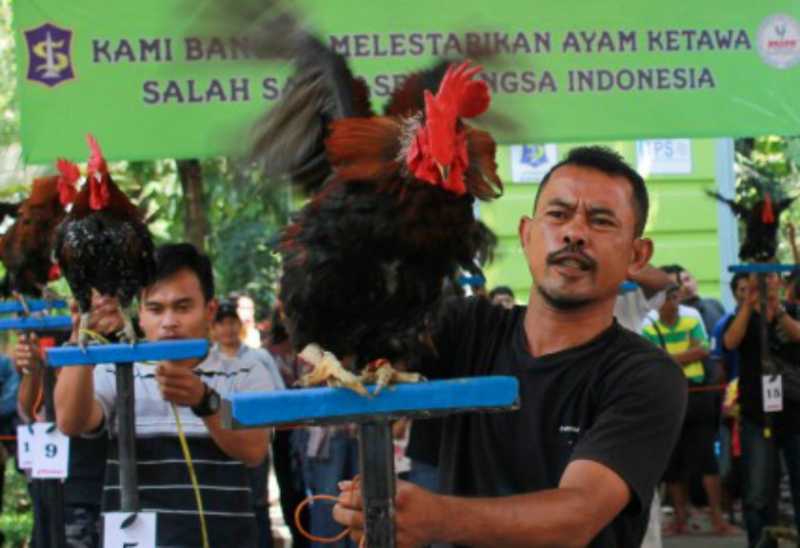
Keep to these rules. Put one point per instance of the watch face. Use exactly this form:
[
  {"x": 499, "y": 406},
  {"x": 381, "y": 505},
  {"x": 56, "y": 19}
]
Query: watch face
[{"x": 213, "y": 401}]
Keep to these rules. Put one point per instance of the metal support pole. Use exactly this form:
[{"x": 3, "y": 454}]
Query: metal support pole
[
  {"x": 126, "y": 438},
  {"x": 376, "y": 455},
  {"x": 53, "y": 488}
]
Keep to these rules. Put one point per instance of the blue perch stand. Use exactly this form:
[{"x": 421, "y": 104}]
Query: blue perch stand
[
  {"x": 763, "y": 268},
  {"x": 123, "y": 356},
  {"x": 325, "y": 406}
]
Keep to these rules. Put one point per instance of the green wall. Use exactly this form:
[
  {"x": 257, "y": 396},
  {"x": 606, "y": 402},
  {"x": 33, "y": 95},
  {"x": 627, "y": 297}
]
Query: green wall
[{"x": 682, "y": 222}]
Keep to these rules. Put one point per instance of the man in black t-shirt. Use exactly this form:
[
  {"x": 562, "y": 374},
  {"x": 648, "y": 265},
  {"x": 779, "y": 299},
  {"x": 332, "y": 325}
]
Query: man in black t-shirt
[
  {"x": 601, "y": 408},
  {"x": 760, "y": 454}
]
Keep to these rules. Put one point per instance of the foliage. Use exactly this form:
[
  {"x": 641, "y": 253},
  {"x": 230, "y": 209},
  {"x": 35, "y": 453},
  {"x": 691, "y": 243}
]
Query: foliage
[
  {"x": 9, "y": 113},
  {"x": 16, "y": 521}
]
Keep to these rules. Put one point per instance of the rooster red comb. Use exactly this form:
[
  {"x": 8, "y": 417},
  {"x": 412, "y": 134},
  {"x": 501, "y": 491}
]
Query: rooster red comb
[
  {"x": 97, "y": 163},
  {"x": 69, "y": 174},
  {"x": 97, "y": 176}
]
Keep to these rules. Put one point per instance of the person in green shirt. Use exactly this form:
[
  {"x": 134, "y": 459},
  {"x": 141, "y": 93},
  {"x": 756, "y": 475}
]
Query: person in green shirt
[{"x": 685, "y": 340}]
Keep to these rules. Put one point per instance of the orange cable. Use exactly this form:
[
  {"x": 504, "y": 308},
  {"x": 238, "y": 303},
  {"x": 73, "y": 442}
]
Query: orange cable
[{"x": 323, "y": 540}]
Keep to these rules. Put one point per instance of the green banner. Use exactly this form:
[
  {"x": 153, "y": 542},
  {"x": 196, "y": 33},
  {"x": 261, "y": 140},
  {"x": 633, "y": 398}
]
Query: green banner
[{"x": 148, "y": 84}]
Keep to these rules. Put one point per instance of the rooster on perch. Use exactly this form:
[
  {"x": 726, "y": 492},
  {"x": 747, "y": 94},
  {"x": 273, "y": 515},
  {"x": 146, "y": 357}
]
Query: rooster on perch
[
  {"x": 102, "y": 244},
  {"x": 390, "y": 211}
]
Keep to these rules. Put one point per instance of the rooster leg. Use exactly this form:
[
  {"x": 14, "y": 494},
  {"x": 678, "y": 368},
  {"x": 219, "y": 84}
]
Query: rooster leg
[
  {"x": 328, "y": 369},
  {"x": 48, "y": 294},
  {"x": 83, "y": 331},
  {"x": 128, "y": 331},
  {"x": 383, "y": 374},
  {"x": 26, "y": 311}
]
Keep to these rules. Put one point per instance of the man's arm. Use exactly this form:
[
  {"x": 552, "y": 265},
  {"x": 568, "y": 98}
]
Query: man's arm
[
  {"x": 652, "y": 280},
  {"x": 588, "y": 498},
  {"x": 77, "y": 409},
  {"x": 789, "y": 326},
  {"x": 181, "y": 386},
  {"x": 736, "y": 330},
  {"x": 28, "y": 363},
  {"x": 692, "y": 355}
]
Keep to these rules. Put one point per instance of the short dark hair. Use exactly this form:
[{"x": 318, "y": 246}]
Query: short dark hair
[
  {"x": 226, "y": 309},
  {"x": 501, "y": 290},
  {"x": 611, "y": 163},
  {"x": 171, "y": 258},
  {"x": 737, "y": 277}
]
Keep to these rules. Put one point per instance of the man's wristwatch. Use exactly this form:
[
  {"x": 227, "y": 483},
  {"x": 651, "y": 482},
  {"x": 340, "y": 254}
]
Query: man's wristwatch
[{"x": 209, "y": 405}]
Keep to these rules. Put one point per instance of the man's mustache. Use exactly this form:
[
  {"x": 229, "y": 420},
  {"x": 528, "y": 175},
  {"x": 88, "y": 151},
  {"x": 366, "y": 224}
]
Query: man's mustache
[{"x": 572, "y": 251}]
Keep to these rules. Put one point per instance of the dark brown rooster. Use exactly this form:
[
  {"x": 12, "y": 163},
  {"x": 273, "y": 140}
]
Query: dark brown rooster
[
  {"x": 390, "y": 215},
  {"x": 26, "y": 248},
  {"x": 759, "y": 205},
  {"x": 102, "y": 244}
]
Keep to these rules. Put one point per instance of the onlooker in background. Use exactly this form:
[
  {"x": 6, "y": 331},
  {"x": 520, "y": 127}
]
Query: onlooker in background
[
  {"x": 791, "y": 235},
  {"x": 503, "y": 296},
  {"x": 760, "y": 450},
  {"x": 246, "y": 308},
  {"x": 644, "y": 294},
  {"x": 791, "y": 288},
  {"x": 684, "y": 339},
  {"x": 9, "y": 384},
  {"x": 711, "y": 310},
  {"x": 287, "y": 456},
  {"x": 727, "y": 362},
  {"x": 83, "y": 487},
  {"x": 226, "y": 331}
]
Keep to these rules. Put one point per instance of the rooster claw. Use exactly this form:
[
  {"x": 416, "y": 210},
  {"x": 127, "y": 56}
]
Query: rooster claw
[
  {"x": 328, "y": 369},
  {"x": 383, "y": 374}
]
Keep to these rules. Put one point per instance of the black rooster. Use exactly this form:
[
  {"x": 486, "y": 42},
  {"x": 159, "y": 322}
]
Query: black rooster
[
  {"x": 390, "y": 215},
  {"x": 103, "y": 244},
  {"x": 760, "y": 207}
]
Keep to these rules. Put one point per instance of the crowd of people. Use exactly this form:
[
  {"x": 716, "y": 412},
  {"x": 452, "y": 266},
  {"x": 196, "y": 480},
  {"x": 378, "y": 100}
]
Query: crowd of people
[{"x": 606, "y": 418}]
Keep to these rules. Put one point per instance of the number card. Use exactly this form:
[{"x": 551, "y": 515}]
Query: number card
[
  {"x": 127, "y": 530},
  {"x": 50, "y": 452},
  {"x": 25, "y": 446},
  {"x": 772, "y": 391}
]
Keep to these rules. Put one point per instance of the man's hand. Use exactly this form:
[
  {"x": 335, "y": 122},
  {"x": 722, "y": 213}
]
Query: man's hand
[
  {"x": 104, "y": 317},
  {"x": 417, "y": 519},
  {"x": 27, "y": 354},
  {"x": 179, "y": 384}
]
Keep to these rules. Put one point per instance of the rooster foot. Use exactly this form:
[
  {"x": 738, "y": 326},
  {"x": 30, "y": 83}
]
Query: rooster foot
[
  {"x": 26, "y": 310},
  {"x": 328, "y": 369},
  {"x": 48, "y": 294},
  {"x": 383, "y": 374}
]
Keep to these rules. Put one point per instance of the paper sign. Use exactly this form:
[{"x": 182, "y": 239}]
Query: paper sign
[
  {"x": 530, "y": 163},
  {"x": 50, "y": 452},
  {"x": 772, "y": 391},
  {"x": 127, "y": 530},
  {"x": 664, "y": 157},
  {"x": 25, "y": 446}
]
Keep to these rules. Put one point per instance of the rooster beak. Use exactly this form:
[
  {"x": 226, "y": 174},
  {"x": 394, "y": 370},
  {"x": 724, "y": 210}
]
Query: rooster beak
[{"x": 443, "y": 171}]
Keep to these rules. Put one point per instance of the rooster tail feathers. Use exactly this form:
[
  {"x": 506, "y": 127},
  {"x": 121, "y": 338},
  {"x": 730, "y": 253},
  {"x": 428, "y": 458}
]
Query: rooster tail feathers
[
  {"x": 737, "y": 209},
  {"x": 290, "y": 138},
  {"x": 408, "y": 98}
]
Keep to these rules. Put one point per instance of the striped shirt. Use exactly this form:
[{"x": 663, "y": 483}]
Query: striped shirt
[
  {"x": 164, "y": 483},
  {"x": 679, "y": 338}
]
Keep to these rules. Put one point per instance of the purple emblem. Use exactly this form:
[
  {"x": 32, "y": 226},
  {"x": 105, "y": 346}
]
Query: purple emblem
[{"x": 49, "y": 55}]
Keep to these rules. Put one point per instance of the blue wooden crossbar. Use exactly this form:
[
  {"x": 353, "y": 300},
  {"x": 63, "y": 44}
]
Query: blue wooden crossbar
[
  {"x": 32, "y": 323},
  {"x": 471, "y": 280},
  {"x": 763, "y": 267},
  {"x": 34, "y": 305},
  {"x": 331, "y": 405},
  {"x": 126, "y": 353}
]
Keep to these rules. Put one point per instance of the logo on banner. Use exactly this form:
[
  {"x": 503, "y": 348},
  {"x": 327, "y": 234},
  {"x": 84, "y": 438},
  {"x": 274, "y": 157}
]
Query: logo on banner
[
  {"x": 529, "y": 163},
  {"x": 779, "y": 41},
  {"x": 49, "y": 58}
]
